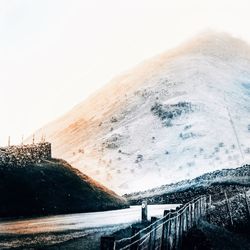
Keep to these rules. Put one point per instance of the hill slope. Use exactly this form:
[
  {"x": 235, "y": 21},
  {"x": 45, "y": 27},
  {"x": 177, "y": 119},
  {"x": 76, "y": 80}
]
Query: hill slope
[
  {"x": 51, "y": 187},
  {"x": 175, "y": 116},
  {"x": 216, "y": 183}
]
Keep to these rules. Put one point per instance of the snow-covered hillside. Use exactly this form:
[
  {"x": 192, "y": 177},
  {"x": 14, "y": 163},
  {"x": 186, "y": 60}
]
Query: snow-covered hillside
[{"x": 176, "y": 116}]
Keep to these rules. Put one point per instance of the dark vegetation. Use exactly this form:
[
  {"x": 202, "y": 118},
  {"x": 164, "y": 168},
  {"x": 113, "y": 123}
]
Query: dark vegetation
[
  {"x": 51, "y": 187},
  {"x": 183, "y": 196},
  {"x": 206, "y": 236},
  {"x": 214, "y": 183},
  {"x": 171, "y": 111}
]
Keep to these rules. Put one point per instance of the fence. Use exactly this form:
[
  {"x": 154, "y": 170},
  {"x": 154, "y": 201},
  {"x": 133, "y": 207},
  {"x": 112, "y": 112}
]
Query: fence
[{"x": 165, "y": 233}]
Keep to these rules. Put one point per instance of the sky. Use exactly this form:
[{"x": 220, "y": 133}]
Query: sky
[{"x": 55, "y": 53}]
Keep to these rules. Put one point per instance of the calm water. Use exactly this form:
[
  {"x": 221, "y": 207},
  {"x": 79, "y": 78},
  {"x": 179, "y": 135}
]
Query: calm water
[{"x": 54, "y": 229}]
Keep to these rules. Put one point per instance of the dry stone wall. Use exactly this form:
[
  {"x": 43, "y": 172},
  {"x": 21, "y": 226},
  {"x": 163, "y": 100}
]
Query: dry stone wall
[{"x": 23, "y": 155}]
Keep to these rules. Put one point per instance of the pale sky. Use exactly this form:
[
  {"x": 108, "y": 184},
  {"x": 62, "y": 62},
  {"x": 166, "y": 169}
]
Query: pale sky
[{"x": 55, "y": 53}]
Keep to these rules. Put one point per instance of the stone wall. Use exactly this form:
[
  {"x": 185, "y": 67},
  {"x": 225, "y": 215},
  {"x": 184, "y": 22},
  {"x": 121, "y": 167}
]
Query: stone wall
[{"x": 24, "y": 155}]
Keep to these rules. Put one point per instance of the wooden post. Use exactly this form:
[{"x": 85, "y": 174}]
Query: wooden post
[
  {"x": 170, "y": 232},
  {"x": 193, "y": 214},
  {"x": 171, "y": 236},
  {"x": 208, "y": 208},
  {"x": 153, "y": 233},
  {"x": 202, "y": 199},
  {"x": 247, "y": 203},
  {"x": 197, "y": 211},
  {"x": 210, "y": 202},
  {"x": 180, "y": 230},
  {"x": 176, "y": 232},
  {"x": 187, "y": 218},
  {"x": 164, "y": 230},
  {"x": 135, "y": 230},
  {"x": 107, "y": 243},
  {"x": 205, "y": 205},
  {"x": 177, "y": 227},
  {"x": 202, "y": 206},
  {"x": 144, "y": 211},
  {"x": 228, "y": 209},
  {"x": 199, "y": 207},
  {"x": 8, "y": 141}
]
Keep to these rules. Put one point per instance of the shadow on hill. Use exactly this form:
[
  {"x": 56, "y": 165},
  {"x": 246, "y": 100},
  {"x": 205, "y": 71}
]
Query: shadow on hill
[{"x": 52, "y": 187}]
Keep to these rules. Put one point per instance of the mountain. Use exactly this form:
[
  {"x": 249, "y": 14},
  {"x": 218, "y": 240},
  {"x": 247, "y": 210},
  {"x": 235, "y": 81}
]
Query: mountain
[
  {"x": 176, "y": 116},
  {"x": 52, "y": 187},
  {"x": 230, "y": 180}
]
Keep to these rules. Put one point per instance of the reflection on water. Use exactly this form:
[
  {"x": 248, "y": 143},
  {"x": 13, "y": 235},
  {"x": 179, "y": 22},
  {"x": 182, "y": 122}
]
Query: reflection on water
[{"x": 54, "y": 229}]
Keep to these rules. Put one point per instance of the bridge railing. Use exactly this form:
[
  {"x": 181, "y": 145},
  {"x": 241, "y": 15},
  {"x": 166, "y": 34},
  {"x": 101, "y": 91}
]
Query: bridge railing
[{"x": 166, "y": 232}]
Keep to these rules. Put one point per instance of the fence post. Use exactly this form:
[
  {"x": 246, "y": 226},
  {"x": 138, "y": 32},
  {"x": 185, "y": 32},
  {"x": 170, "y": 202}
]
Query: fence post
[
  {"x": 205, "y": 205},
  {"x": 187, "y": 217},
  {"x": 135, "y": 230},
  {"x": 197, "y": 212},
  {"x": 199, "y": 207},
  {"x": 153, "y": 233},
  {"x": 144, "y": 211},
  {"x": 171, "y": 235},
  {"x": 193, "y": 214},
  {"x": 176, "y": 221},
  {"x": 180, "y": 230},
  {"x": 107, "y": 243},
  {"x": 228, "y": 209},
  {"x": 210, "y": 202},
  {"x": 208, "y": 208},
  {"x": 247, "y": 203},
  {"x": 164, "y": 230}
]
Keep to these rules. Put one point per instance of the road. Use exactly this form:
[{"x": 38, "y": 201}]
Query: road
[{"x": 50, "y": 230}]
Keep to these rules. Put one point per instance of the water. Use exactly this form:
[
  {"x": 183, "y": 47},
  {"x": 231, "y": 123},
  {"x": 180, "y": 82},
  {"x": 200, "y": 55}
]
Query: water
[{"x": 54, "y": 229}]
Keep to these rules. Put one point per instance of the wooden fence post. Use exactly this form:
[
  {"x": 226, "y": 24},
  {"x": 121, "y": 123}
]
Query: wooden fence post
[
  {"x": 135, "y": 230},
  {"x": 204, "y": 204},
  {"x": 247, "y": 204},
  {"x": 144, "y": 211},
  {"x": 164, "y": 230},
  {"x": 197, "y": 212},
  {"x": 229, "y": 209},
  {"x": 208, "y": 208},
  {"x": 193, "y": 214},
  {"x": 203, "y": 209},
  {"x": 176, "y": 221},
  {"x": 200, "y": 204},
  {"x": 180, "y": 230},
  {"x": 107, "y": 243},
  {"x": 153, "y": 233},
  {"x": 171, "y": 233},
  {"x": 188, "y": 216}
]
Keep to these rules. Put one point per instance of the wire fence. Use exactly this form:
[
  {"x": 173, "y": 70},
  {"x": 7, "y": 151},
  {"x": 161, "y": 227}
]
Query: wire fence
[{"x": 166, "y": 232}]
